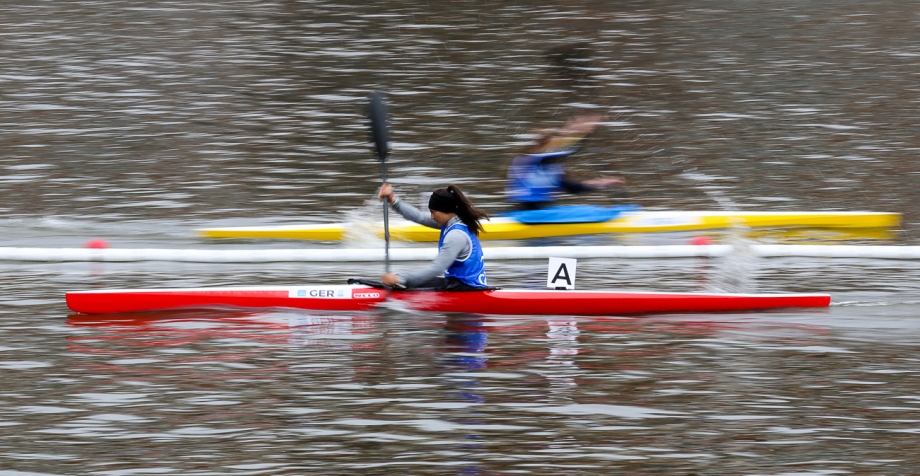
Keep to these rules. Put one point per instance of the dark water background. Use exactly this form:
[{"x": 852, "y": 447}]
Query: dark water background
[{"x": 137, "y": 121}]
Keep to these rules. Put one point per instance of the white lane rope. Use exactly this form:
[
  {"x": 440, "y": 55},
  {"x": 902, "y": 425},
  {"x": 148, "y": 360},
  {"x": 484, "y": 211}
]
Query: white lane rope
[{"x": 426, "y": 254}]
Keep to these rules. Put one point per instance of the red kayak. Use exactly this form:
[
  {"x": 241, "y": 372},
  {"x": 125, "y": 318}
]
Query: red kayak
[{"x": 362, "y": 298}]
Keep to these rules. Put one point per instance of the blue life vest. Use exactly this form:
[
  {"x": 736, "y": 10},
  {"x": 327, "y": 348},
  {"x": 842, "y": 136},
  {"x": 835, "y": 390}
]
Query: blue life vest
[
  {"x": 530, "y": 179},
  {"x": 472, "y": 270}
]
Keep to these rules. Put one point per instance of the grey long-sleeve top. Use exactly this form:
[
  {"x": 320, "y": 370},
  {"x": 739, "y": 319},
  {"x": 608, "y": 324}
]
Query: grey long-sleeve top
[{"x": 456, "y": 245}]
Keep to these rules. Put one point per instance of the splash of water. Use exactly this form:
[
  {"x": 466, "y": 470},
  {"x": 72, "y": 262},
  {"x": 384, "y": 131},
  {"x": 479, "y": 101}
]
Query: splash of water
[
  {"x": 734, "y": 271},
  {"x": 364, "y": 226}
]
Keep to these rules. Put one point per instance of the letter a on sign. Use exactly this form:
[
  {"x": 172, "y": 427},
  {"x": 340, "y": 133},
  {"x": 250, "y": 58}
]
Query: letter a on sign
[{"x": 561, "y": 273}]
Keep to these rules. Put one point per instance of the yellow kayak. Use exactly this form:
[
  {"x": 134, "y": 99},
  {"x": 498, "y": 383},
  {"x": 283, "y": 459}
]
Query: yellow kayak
[{"x": 638, "y": 221}]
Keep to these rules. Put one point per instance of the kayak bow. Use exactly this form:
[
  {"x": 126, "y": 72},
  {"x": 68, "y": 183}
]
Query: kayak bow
[{"x": 500, "y": 302}]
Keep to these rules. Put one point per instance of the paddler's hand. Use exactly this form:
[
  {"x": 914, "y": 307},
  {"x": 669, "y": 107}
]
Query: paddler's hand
[
  {"x": 390, "y": 279},
  {"x": 583, "y": 125},
  {"x": 387, "y": 192}
]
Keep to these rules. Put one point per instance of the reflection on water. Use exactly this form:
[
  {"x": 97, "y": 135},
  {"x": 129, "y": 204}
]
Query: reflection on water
[{"x": 474, "y": 394}]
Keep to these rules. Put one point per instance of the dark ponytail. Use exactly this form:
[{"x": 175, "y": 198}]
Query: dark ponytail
[{"x": 468, "y": 214}]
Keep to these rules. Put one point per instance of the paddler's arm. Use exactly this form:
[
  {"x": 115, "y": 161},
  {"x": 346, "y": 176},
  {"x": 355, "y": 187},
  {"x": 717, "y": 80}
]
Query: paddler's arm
[
  {"x": 575, "y": 130},
  {"x": 595, "y": 184},
  {"x": 405, "y": 209},
  {"x": 455, "y": 245}
]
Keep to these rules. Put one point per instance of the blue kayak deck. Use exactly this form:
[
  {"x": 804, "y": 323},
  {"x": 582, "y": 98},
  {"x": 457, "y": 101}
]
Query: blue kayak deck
[{"x": 569, "y": 214}]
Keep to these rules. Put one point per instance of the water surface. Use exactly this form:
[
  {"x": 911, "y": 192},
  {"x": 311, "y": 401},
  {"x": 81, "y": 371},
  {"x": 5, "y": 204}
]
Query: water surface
[{"x": 136, "y": 122}]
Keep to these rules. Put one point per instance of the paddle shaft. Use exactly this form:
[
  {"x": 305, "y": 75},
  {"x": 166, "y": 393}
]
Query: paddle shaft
[
  {"x": 377, "y": 114},
  {"x": 386, "y": 221}
]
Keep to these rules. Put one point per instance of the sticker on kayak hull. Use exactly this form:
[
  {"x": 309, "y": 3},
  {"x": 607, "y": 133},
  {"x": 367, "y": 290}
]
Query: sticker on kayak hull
[
  {"x": 331, "y": 292},
  {"x": 367, "y": 295}
]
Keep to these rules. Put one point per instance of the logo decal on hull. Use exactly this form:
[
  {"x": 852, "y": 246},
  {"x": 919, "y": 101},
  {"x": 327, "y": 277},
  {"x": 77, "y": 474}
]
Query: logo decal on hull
[
  {"x": 366, "y": 295},
  {"x": 321, "y": 292}
]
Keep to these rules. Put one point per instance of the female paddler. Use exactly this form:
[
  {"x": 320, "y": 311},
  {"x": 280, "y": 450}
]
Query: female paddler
[
  {"x": 537, "y": 175},
  {"x": 459, "y": 265}
]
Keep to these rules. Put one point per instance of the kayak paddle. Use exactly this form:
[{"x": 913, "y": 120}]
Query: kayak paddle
[{"x": 377, "y": 115}]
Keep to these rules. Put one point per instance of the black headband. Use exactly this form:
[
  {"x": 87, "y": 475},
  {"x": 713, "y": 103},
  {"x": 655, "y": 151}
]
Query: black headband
[{"x": 442, "y": 203}]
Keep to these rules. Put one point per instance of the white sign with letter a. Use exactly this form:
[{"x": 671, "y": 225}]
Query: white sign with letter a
[{"x": 561, "y": 273}]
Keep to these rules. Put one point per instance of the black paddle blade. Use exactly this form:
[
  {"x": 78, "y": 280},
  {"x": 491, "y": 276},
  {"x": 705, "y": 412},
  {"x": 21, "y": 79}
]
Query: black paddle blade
[
  {"x": 573, "y": 61},
  {"x": 573, "y": 64},
  {"x": 377, "y": 115}
]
